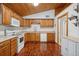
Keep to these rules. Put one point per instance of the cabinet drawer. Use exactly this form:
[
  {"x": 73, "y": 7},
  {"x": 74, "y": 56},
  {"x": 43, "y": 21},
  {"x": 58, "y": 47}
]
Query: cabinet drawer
[{"x": 2, "y": 44}]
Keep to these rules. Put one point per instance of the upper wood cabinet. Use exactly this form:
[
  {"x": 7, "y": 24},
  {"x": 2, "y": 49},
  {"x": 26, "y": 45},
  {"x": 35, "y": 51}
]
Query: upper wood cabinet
[
  {"x": 28, "y": 22},
  {"x": 42, "y": 22},
  {"x": 47, "y": 23},
  {"x": 6, "y": 15}
]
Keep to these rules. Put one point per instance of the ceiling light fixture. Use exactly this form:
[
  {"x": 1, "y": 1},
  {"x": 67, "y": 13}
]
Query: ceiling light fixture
[{"x": 36, "y": 4}]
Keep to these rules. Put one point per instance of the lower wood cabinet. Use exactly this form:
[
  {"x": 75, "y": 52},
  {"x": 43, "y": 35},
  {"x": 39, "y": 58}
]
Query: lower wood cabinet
[
  {"x": 37, "y": 37},
  {"x": 5, "y": 48},
  {"x": 13, "y": 46},
  {"x": 50, "y": 37},
  {"x": 27, "y": 37},
  {"x": 32, "y": 37},
  {"x": 8, "y": 47}
]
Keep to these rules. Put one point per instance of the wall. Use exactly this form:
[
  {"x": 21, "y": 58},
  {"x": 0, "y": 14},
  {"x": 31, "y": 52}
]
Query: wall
[
  {"x": 42, "y": 15},
  {"x": 72, "y": 30}
]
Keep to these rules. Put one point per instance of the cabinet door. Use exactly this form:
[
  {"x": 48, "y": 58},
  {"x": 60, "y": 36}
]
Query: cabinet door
[
  {"x": 50, "y": 37},
  {"x": 5, "y": 48},
  {"x": 47, "y": 22},
  {"x": 27, "y": 23},
  {"x": 6, "y": 15},
  {"x": 33, "y": 36},
  {"x": 13, "y": 46},
  {"x": 37, "y": 35},
  {"x": 27, "y": 37}
]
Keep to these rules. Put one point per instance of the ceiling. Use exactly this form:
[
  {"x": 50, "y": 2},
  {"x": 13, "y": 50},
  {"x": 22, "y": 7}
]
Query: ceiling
[{"x": 24, "y": 9}]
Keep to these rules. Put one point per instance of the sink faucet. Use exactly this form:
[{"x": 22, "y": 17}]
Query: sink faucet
[{"x": 5, "y": 31}]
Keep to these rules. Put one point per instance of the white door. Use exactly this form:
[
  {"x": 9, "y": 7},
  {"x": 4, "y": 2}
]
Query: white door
[
  {"x": 64, "y": 47},
  {"x": 71, "y": 48},
  {"x": 77, "y": 49},
  {"x": 43, "y": 37},
  {"x": 62, "y": 30}
]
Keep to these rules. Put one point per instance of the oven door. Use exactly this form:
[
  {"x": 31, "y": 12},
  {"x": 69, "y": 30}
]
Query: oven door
[{"x": 20, "y": 40}]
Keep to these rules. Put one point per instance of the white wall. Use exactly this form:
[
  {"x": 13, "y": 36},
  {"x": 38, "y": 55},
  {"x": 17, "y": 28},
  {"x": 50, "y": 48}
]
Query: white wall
[
  {"x": 72, "y": 30},
  {"x": 41, "y": 15}
]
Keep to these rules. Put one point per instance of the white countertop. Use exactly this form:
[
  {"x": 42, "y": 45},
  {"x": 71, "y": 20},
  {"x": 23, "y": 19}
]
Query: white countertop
[
  {"x": 45, "y": 30},
  {"x": 3, "y": 38},
  {"x": 72, "y": 38}
]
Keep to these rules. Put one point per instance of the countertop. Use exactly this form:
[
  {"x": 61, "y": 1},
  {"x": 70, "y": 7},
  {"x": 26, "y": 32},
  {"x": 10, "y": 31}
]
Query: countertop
[
  {"x": 72, "y": 38},
  {"x": 4, "y": 38},
  {"x": 8, "y": 37},
  {"x": 40, "y": 32}
]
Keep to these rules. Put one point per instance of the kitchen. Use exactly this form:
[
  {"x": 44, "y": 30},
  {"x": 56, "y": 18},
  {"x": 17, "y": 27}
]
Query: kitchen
[
  {"x": 34, "y": 30},
  {"x": 16, "y": 31}
]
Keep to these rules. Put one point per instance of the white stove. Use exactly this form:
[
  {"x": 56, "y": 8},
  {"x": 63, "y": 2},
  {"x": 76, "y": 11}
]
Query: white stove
[{"x": 20, "y": 43}]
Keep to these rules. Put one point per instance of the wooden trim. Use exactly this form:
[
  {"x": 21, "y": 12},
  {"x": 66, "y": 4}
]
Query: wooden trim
[{"x": 66, "y": 14}]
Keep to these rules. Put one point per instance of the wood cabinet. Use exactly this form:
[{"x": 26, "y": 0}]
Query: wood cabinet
[
  {"x": 13, "y": 46},
  {"x": 28, "y": 22},
  {"x": 7, "y": 14},
  {"x": 5, "y": 48},
  {"x": 35, "y": 37},
  {"x": 42, "y": 22},
  {"x": 6, "y": 18},
  {"x": 47, "y": 23},
  {"x": 50, "y": 37},
  {"x": 32, "y": 37},
  {"x": 8, "y": 47},
  {"x": 27, "y": 37}
]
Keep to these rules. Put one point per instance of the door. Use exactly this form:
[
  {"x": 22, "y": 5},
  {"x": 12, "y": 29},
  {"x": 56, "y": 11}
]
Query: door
[
  {"x": 43, "y": 37},
  {"x": 64, "y": 47},
  {"x": 62, "y": 27},
  {"x": 71, "y": 48}
]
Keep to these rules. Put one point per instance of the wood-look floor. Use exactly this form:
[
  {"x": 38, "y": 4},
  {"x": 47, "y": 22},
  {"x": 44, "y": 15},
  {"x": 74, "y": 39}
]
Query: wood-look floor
[{"x": 40, "y": 49}]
